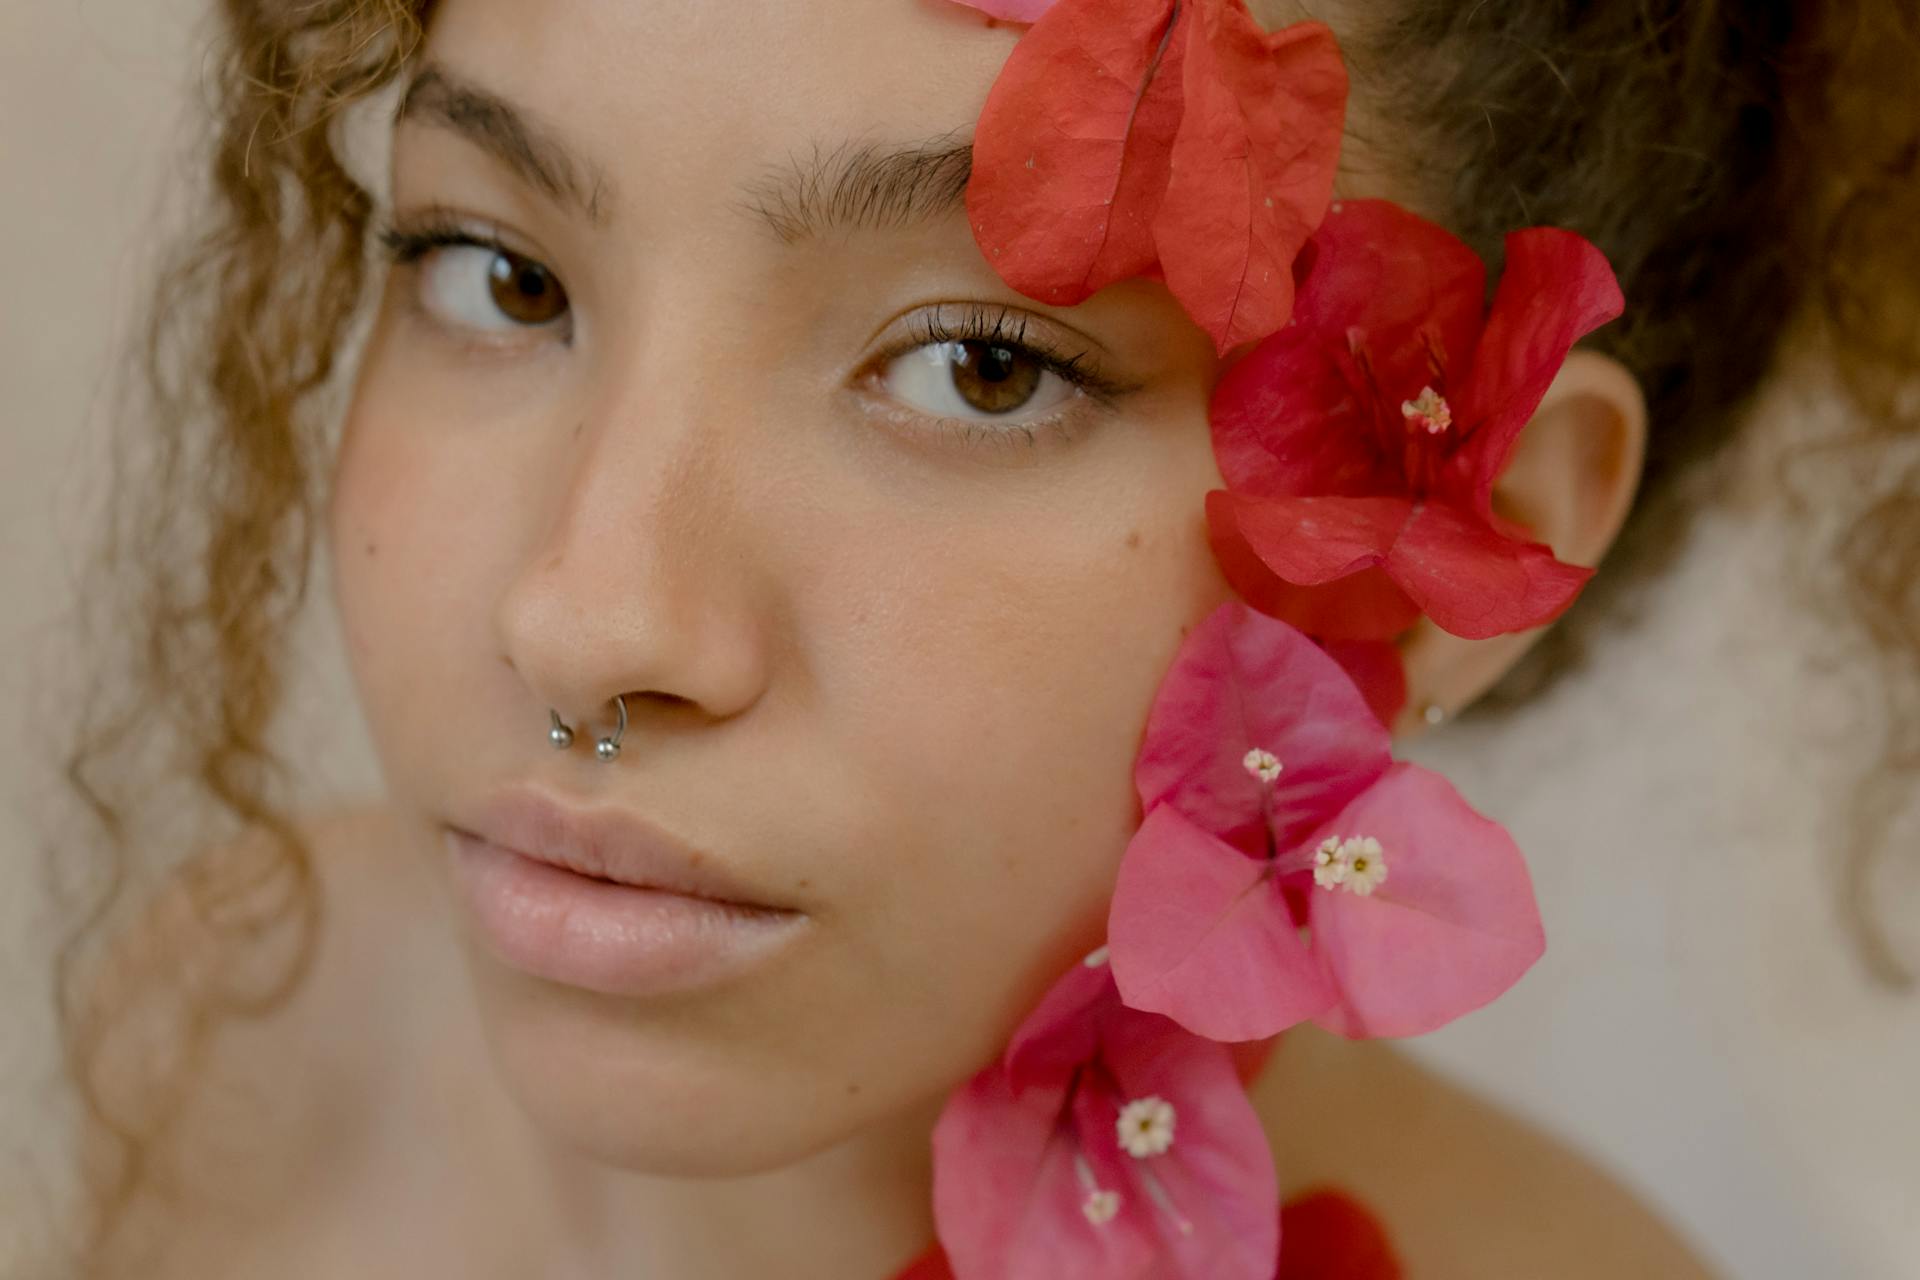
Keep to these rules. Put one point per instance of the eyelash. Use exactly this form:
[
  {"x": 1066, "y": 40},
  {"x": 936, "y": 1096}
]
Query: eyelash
[
  {"x": 407, "y": 245},
  {"x": 1005, "y": 326},
  {"x": 1001, "y": 326}
]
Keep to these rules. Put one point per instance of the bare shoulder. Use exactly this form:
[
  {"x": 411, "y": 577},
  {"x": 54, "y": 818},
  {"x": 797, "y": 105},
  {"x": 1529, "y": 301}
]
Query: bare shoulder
[{"x": 1466, "y": 1190}]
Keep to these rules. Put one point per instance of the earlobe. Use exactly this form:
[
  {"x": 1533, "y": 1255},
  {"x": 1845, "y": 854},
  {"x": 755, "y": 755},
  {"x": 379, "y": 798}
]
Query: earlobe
[{"x": 1571, "y": 479}]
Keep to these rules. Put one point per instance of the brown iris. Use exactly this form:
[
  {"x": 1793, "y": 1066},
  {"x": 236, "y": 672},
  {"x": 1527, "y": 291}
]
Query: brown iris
[
  {"x": 992, "y": 379},
  {"x": 523, "y": 289}
]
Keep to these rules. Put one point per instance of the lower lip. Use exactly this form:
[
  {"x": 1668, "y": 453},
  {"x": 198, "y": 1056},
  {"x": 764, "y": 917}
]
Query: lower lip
[{"x": 607, "y": 937}]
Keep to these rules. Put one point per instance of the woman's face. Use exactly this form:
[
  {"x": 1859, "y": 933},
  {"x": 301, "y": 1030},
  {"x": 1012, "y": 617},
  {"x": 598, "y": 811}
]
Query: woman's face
[{"x": 887, "y": 614}]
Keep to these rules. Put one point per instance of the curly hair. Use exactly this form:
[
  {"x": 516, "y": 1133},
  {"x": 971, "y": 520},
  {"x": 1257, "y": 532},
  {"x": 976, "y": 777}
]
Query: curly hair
[{"x": 1741, "y": 165}]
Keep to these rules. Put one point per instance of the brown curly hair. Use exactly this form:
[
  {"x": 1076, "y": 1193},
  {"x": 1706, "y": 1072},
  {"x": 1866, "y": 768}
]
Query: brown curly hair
[{"x": 1741, "y": 165}]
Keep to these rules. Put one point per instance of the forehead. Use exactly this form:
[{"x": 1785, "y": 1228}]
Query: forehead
[{"x": 677, "y": 108}]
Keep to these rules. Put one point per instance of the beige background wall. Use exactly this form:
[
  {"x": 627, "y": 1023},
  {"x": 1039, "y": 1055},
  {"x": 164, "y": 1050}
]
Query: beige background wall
[
  {"x": 1698, "y": 1024},
  {"x": 88, "y": 92},
  {"x": 95, "y": 114}
]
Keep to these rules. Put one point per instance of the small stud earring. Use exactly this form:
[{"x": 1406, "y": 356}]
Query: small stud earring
[{"x": 1433, "y": 713}]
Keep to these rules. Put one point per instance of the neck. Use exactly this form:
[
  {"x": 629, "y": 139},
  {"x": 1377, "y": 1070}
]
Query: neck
[{"x": 861, "y": 1208}]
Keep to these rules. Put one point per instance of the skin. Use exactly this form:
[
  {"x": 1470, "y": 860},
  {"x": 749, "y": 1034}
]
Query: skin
[{"x": 886, "y": 669}]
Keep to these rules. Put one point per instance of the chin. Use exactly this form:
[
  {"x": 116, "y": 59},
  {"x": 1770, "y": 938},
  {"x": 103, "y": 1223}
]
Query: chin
[{"x": 667, "y": 1092}]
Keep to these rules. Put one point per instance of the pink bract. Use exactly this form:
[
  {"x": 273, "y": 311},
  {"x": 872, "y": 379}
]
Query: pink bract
[
  {"x": 1011, "y": 10},
  {"x": 1027, "y": 1152},
  {"x": 1219, "y": 920}
]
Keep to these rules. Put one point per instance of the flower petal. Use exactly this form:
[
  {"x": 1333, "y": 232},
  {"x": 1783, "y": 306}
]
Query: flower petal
[
  {"x": 1251, "y": 169},
  {"x": 1007, "y": 1197},
  {"x": 1013, "y": 1166},
  {"x": 1011, "y": 10},
  {"x": 1376, "y": 670},
  {"x": 1556, "y": 288},
  {"x": 1295, "y": 417},
  {"x": 1242, "y": 680},
  {"x": 1391, "y": 280},
  {"x": 1364, "y": 605},
  {"x": 1070, "y": 152},
  {"x": 1219, "y": 1173},
  {"x": 1475, "y": 582},
  {"x": 933, "y": 1265},
  {"x": 1290, "y": 419},
  {"x": 1308, "y": 541},
  {"x": 1328, "y": 1235},
  {"x": 1453, "y": 925},
  {"x": 1200, "y": 933},
  {"x": 1062, "y": 1031}
]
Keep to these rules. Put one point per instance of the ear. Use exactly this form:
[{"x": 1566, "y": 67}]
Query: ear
[{"x": 1571, "y": 479}]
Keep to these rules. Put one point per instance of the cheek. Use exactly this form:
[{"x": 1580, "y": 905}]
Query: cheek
[
  {"x": 1007, "y": 679},
  {"x": 405, "y": 530}
]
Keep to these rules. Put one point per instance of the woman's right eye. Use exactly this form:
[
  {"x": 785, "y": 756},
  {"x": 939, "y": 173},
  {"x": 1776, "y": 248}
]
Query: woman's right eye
[{"x": 469, "y": 282}]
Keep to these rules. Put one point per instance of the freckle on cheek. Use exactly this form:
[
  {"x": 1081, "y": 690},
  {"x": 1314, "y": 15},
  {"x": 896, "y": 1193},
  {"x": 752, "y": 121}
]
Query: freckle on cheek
[
  {"x": 1133, "y": 539},
  {"x": 373, "y": 549}
]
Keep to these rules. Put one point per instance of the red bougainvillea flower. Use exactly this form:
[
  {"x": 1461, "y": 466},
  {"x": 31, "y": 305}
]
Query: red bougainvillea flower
[
  {"x": 1331, "y": 1236},
  {"x": 1174, "y": 139},
  {"x": 1287, "y": 869},
  {"x": 1106, "y": 1144},
  {"x": 1360, "y": 444}
]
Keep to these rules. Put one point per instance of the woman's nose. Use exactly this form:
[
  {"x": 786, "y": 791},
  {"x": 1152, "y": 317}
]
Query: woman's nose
[{"x": 641, "y": 582}]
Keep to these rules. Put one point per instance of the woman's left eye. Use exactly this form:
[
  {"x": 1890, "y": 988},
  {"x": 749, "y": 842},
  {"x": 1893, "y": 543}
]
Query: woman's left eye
[
  {"x": 981, "y": 374},
  {"x": 976, "y": 380}
]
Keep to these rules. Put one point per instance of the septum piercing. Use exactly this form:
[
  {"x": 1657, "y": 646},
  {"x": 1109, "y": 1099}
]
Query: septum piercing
[{"x": 606, "y": 748}]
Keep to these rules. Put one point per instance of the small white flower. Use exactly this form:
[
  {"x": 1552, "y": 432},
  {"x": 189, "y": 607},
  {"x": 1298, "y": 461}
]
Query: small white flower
[
  {"x": 1367, "y": 865},
  {"x": 1146, "y": 1126},
  {"x": 1262, "y": 764},
  {"x": 1100, "y": 1206},
  {"x": 1358, "y": 864},
  {"x": 1429, "y": 412},
  {"x": 1330, "y": 864}
]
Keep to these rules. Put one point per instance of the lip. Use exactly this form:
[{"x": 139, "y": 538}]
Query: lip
[{"x": 600, "y": 899}]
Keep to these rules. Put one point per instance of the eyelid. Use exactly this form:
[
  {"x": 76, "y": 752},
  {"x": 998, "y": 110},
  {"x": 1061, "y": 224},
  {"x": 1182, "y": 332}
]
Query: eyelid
[
  {"x": 407, "y": 239},
  {"x": 1003, "y": 324},
  {"x": 1094, "y": 392}
]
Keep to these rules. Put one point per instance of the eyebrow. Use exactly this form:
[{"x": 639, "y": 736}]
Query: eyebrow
[
  {"x": 855, "y": 185},
  {"x": 864, "y": 185},
  {"x": 533, "y": 152}
]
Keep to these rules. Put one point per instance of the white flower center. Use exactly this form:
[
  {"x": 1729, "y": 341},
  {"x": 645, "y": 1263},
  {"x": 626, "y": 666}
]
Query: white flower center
[
  {"x": 1262, "y": 764},
  {"x": 1356, "y": 864},
  {"x": 1100, "y": 1206},
  {"x": 1145, "y": 1127},
  {"x": 1428, "y": 412}
]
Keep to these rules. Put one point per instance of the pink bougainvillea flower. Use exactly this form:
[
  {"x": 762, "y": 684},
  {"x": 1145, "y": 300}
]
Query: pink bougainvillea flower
[
  {"x": 1325, "y": 1235},
  {"x": 1173, "y": 139},
  {"x": 1011, "y": 10},
  {"x": 1287, "y": 869},
  {"x": 1360, "y": 444},
  {"x": 1106, "y": 1144}
]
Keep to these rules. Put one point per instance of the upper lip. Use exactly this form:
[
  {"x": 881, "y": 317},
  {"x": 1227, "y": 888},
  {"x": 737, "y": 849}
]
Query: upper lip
[{"x": 608, "y": 843}]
